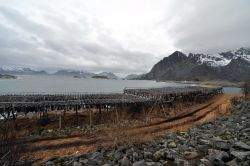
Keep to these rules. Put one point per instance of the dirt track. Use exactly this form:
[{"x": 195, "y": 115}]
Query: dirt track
[{"x": 82, "y": 143}]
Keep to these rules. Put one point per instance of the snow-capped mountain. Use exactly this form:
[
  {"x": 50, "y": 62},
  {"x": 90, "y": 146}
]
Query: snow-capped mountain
[
  {"x": 20, "y": 71},
  {"x": 132, "y": 76},
  {"x": 84, "y": 74},
  {"x": 231, "y": 65},
  {"x": 108, "y": 75},
  {"x": 75, "y": 73},
  {"x": 221, "y": 59}
]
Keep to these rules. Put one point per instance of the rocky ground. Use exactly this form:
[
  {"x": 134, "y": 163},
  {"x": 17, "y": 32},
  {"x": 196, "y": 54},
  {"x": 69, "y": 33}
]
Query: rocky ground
[{"x": 225, "y": 141}]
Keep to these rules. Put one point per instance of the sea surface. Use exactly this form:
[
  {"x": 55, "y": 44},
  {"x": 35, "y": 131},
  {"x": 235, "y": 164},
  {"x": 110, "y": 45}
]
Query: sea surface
[
  {"x": 232, "y": 90},
  {"x": 43, "y": 84},
  {"x": 66, "y": 84}
]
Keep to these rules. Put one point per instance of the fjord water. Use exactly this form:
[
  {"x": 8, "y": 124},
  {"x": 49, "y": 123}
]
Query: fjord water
[{"x": 65, "y": 84}]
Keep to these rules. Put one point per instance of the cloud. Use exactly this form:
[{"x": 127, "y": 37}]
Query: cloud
[
  {"x": 209, "y": 26},
  {"x": 64, "y": 44},
  {"x": 127, "y": 36}
]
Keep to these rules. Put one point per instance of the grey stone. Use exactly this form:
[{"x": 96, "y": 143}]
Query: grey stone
[
  {"x": 171, "y": 136},
  {"x": 241, "y": 145},
  {"x": 117, "y": 156},
  {"x": 217, "y": 157},
  {"x": 83, "y": 161},
  {"x": 203, "y": 148},
  {"x": 140, "y": 163},
  {"x": 203, "y": 142},
  {"x": 151, "y": 164},
  {"x": 49, "y": 163},
  {"x": 22, "y": 163},
  {"x": 184, "y": 147},
  {"x": 206, "y": 162},
  {"x": 165, "y": 163},
  {"x": 77, "y": 164},
  {"x": 172, "y": 145},
  {"x": 69, "y": 163},
  {"x": 171, "y": 154},
  {"x": 179, "y": 161},
  {"x": 97, "y": 156},
  {"x": 191, "y": 155},
  {"x": 92, "y": 162},
  {"x": 159, "y": 154},
  {"x": 125, "y": 161},
  {"x": 181, "y": 138},
  {"x": 192, "y": 143},
  {"x": 221, "y": 144},
  {"x": 148, "y": 155},
  {"x": 232, "y": 163},
  {"x": 246, "y": 130},
  {"x": 53, "y": 158},
  {"x": 240, "y": 155},
  {"x": 135, "y": 156}
]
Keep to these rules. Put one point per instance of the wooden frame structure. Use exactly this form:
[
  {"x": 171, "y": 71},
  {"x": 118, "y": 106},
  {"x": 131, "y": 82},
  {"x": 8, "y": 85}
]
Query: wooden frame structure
[{"x": 12, "y": 104}]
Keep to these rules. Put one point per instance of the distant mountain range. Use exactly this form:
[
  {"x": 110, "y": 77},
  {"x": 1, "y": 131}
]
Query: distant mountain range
[
  {"x": 108, "y": 75},
  {"x": 21, "y": 71},
  {"x": 6, "y": 76},
  {"x": 71, "y": 73},
  {"x": 231, "y": 65},
  {"x": 81, "y": 74},
  {"x": 75, "y": 73},
  {"x": 134, "y": 76}
]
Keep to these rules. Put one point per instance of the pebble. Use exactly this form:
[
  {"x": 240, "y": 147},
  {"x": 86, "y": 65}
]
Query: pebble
[
  {"x": 140, "y": 163},
  {"x": 241, "y": 155},
  {"x": 172, "y": 145}
]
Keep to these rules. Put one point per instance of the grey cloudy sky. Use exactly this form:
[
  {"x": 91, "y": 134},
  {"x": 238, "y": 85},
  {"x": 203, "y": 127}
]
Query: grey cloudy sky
[{"x": 122, "y": 36}]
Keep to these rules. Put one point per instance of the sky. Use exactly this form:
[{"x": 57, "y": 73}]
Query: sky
[{"x": 120, "y": 36}]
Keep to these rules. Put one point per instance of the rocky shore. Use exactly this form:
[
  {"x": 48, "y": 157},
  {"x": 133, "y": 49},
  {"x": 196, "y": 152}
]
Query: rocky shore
[
  {"x": 225, "y": 141},
  {"x": 7, "y": 76}
]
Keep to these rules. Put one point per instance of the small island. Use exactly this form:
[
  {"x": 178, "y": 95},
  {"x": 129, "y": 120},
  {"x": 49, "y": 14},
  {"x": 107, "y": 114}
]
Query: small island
[
  {"x": 100, "y": 77},
  {"x": 7, "y": 76}
]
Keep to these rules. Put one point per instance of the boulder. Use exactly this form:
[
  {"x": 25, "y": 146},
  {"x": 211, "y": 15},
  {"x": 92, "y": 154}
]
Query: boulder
[
  {"x": 96, "y": 156},
  {"x": 191, "y": 155},
  {"x": 159, "y": 154},
  {"x": 172, "y": 145},
  {"x": 83, "y": 161},
  {"x": 221, "y": 144},
  {"x": 148, "y": 155},
  {"x": 205, "y": 162},
  {"x": 241, "y": 145},
  {"x": 241, "y": 155},
  {"x": 232, "y": 163},
  {"x": 203, "y": 142},
  {"x": 125, "y": 161},
  {"x": 77, "y": 164},
  {"x": 218, "y": 157},
  {"x": 140, "y": 163}
]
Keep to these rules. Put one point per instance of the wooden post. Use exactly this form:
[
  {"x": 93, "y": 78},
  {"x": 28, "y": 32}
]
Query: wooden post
[
  {"x": 144, "y": 112},
  {"x": 90, "y": 117},
  {"x": 60, "y": 120},
  {"x": 13, "y": 113},
  {"x": 117, "y": 116},
  {"x": 163, "y": 110},
  {"x": 76, "y": 115}
]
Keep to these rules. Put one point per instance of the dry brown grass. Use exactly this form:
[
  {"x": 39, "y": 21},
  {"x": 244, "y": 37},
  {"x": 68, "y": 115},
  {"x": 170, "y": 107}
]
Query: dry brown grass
[
  {"x": 246, "y": 90},
  {"x": 9, "y": 149},
  {"x": 130, "y": 128}
]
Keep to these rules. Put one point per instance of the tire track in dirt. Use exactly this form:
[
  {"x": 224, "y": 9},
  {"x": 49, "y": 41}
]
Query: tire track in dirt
[{"x": 51, "y": 145}]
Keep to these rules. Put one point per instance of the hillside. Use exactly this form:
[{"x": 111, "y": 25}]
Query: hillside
[{"x": 232, "y": 66}]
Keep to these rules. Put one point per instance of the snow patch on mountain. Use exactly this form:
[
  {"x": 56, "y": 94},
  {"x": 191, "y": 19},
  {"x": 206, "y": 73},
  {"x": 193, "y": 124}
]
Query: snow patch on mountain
[{"x": 221, "y": 59}]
